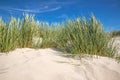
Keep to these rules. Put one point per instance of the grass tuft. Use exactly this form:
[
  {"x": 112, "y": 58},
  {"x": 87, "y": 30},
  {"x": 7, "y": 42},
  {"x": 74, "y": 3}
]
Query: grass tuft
[{"x": 79, "y": 36}]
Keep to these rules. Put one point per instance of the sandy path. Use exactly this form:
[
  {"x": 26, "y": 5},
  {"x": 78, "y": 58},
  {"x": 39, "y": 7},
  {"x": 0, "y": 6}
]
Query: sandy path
[{"x": 49, "y": 64}]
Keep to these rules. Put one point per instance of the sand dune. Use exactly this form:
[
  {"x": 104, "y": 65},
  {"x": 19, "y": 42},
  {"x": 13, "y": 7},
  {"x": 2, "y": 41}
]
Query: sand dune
[
  {"x": 117, "y": 44},
  {"x": 50, "y": 64}
]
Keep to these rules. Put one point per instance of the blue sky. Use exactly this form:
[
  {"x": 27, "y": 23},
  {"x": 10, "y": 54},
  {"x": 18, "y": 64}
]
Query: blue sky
[{"x": 107, "y": 11}]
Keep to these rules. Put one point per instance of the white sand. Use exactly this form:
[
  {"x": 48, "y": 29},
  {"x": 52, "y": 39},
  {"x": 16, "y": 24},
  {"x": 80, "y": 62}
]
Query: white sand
[{"x": 48, "y": 64}]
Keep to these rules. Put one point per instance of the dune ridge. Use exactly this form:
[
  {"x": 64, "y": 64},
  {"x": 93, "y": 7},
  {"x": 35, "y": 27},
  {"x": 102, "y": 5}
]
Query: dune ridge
[{"x": 51, "y": 64}]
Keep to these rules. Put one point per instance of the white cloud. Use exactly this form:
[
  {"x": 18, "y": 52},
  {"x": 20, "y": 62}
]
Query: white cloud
[
  {"x": 45, "y": 9},
  {"x": 42, "y": 8},
  {"x": 59, "y": 3}
]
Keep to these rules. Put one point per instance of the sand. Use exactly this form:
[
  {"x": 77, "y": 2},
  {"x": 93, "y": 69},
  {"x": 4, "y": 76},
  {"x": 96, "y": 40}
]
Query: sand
[{"x": 51, "y": 64}]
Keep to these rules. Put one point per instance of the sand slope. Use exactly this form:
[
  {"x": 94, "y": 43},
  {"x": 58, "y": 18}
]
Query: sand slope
[
  {"x": 117, "y": 44},
  {"x": 49, "y": 64}
]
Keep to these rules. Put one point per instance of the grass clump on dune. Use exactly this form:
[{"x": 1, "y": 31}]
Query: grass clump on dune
[
  {"x": 83, "y": 36},
  {"x": 47, "y": 35},
  {"x": 8, "y": 35},
  {"x": 17, "y": 33},
  {"x": 79, "y": 36},
  {"x": 27, "y": 29}
]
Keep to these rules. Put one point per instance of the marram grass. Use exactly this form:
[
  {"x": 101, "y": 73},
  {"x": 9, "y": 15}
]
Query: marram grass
[
  {"x": 86, "y": 37},
  {"x": 79, "y": 36}
]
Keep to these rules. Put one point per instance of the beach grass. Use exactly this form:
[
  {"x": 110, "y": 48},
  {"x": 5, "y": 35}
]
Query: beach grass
[
  {"x": 83, "y": 36},
  {"x": 79, "y": 36}
]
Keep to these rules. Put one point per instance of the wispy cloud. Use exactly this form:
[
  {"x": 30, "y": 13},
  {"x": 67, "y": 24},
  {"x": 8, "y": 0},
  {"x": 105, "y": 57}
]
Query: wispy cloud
[
  {"x": 41, "y": 10},
  {"x": 37, "y": 7},
  {"x": 64, "y": 2},
  {"x": 46, "y": 9}
]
